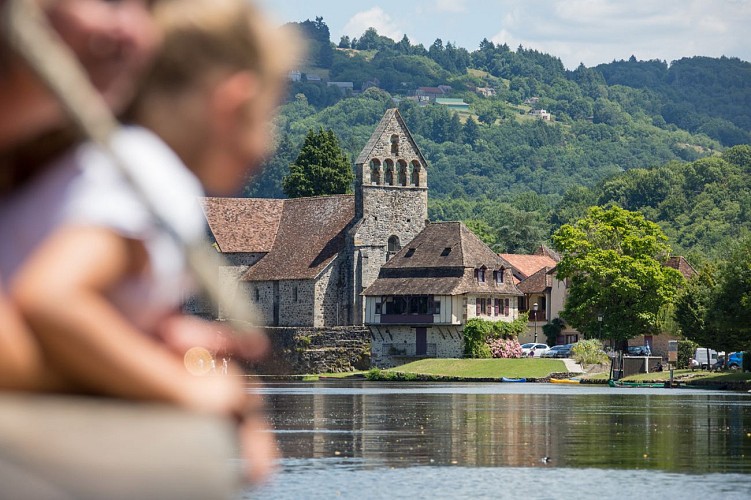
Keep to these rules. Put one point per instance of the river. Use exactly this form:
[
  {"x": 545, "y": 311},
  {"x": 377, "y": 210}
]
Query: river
[{"x": 359, "y": 439}]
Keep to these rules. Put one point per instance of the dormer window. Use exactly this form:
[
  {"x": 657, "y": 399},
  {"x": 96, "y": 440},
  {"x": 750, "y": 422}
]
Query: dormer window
[
  {"x": 480, "y": 275},
  {"x": 499, "y": 275}
]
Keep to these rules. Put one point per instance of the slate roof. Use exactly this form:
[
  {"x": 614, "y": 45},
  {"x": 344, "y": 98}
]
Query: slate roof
[
  {"x": 243, "y": 224},
  {"x": 388, "y": 116},
  {"x": 310, "y": 234},
  {"x": 441, "y": 260}
]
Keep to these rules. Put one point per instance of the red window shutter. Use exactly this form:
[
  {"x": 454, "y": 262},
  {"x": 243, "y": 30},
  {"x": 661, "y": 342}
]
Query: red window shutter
[
  {"x": 477, "y": 304},
  {"x": 506, "y": 307},
  {"x": 497, "y": 307}
]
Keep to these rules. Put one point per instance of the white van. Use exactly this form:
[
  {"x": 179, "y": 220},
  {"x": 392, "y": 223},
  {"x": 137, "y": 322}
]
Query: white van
[{"x": 700, "y": 359}]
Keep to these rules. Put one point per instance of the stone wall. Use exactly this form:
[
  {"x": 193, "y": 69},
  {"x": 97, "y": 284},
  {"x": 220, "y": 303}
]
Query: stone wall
[
  {"x": 296, "y": 299},
  {"x": 394, "y": 345},
  {"x": 296, "y": 351}
]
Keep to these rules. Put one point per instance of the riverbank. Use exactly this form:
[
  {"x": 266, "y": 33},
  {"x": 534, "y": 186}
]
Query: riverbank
[{"x": 532, "y": 370}]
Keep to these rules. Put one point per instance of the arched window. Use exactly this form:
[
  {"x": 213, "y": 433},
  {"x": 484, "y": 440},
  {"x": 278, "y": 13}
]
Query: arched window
[
  {"x": 402, "y": 172},
  {"x": 415, "y": 180},
  {"x": 375, "y": 171},
  {"x": 393, "y": 246},
  {"x": 394, "y": 144},
  {"x": 389, "y": 178}
]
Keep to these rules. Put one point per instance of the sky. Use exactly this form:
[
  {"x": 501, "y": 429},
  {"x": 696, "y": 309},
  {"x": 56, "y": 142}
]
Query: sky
[{"x": 576, "y": 31}]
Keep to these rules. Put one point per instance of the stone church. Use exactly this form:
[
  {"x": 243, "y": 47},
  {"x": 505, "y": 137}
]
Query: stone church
[{"x": 305, "y": 262}]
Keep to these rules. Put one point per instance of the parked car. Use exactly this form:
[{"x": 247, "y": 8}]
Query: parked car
[
  {"x": 639, "y": 350},
  {"x": 539, "y": 349},
  {"x": 558, "y": 351}
]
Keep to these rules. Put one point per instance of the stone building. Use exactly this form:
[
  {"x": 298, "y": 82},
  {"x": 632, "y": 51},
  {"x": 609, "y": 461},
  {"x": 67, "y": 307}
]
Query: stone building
[
  {"x": 427, "y": 292},
  {"x": 304, "y": 262}
]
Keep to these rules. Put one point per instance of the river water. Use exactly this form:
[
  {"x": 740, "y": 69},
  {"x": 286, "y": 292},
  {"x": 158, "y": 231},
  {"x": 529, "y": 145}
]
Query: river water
[{"x": 359, "y": 439}]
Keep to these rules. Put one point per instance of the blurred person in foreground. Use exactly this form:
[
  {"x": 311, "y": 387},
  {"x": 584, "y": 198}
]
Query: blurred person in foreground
[
  {"x": 115, "y": 42},
  {"x": 108, "y": 318}
]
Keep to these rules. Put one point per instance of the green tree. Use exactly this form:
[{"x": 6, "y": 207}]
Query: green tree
[
  {"x": 730, "y": 314},
  {"x": 613, "y": 259},
  {"x": 692, "y": 306},
  {"x": 471, "y": 131},
  {"x": 320, "y": 169}
]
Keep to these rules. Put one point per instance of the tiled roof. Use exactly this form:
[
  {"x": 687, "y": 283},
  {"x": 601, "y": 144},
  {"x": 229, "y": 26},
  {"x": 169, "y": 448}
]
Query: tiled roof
[
  {"x": 243, "y": 224},
  {"x": 538, "y": 282},
  {"x": 682, "y": 265},
  {"x": 441, "y": 260},
  {"x": 375, "y": 138},
  {"x": 310, "y": 235},
  {"x": 527, "y": 265}
]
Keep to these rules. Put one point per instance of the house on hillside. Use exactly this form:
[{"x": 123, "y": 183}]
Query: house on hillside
[
  {"x": 304, "y": 262},
  {"x": 536, "y": 279},
  {"x": 541, "y": 114},
  {"x": 429, "y": 94},
  {"x": 486, "y": 91},
  {"x": 427, "y": 291}
]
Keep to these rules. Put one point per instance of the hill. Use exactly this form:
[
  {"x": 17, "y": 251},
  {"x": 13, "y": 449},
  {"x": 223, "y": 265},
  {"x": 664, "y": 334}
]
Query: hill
[{"x": 512, "y": 176}]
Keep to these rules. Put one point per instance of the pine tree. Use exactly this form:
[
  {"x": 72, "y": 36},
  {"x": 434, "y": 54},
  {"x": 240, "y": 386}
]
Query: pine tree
[{"x": 320, "y": 169}]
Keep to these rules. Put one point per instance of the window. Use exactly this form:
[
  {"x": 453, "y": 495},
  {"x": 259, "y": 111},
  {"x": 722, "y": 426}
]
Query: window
[
  {"x": 483, "y": 307},
  {"x": 402, "y": 172},
  {"x": 294, "y": 293},
  {"x": 446, "y": 251},
  {"x": 499, "y": 275},
  {"x": 506, "y": 307},
  {"x": 415, "y": 174},
  {"x": 389, "y": 173},
  {"x": 258, "y": 294},
  {"x": 410, "y": 252},
  {"x": 393, "y": 246},
  {"x": 375, "y": 172},
  {"x": 436, "y": 307},
  {"x": 497, "y": 307},
  {"x": 480, "y": 275},
  {"x": 378, "y": 308},
  {"x": 394, "y": 144}
]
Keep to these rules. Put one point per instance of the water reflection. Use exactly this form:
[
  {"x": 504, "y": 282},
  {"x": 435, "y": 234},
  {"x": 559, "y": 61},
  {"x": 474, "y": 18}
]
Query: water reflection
[{"x": 366, "y": 425}]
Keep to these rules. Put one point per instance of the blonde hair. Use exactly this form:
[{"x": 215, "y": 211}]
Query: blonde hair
[{"x": 202, "y": 37}]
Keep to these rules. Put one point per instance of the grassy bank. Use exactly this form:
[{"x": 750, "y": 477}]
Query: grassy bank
[{"x": 483, "y": 368}]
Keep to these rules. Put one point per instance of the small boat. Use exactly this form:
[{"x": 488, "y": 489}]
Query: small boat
[
  {"x": 507, "y": 379},
  {"x": 650, "y": 385},
  {"x": 564, "y": 381}
]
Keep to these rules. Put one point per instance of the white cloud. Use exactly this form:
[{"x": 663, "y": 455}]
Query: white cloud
[
  {"x": 451, "y": 5},
  {"x": 374, "y": 18},
  {"x": 598, "y": 31}
]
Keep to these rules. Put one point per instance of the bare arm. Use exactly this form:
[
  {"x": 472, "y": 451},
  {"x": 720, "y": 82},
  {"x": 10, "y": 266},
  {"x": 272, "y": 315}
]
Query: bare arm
[
  {"x": 22, "y": 365},
  {"x": 62, "y": 294}
]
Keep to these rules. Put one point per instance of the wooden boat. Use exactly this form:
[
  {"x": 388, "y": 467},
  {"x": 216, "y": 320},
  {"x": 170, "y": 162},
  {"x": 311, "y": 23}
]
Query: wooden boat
[
  {"x": 564, "y": 381},
  {"x": 507, "y": 379},
  {"x": 652, "y": 385}
]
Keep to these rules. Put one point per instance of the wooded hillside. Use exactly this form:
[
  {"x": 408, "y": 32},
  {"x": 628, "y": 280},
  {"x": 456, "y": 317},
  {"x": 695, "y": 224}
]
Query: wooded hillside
[{"x": 646, "y": 134}]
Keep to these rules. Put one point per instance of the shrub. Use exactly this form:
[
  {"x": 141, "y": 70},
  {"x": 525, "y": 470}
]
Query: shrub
[
  {"x": 505, "y": 348},
  {"x": 589, "y": 352},
  {"x": 476, "y": 332},
  {"x": 686, "y": 349}
]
